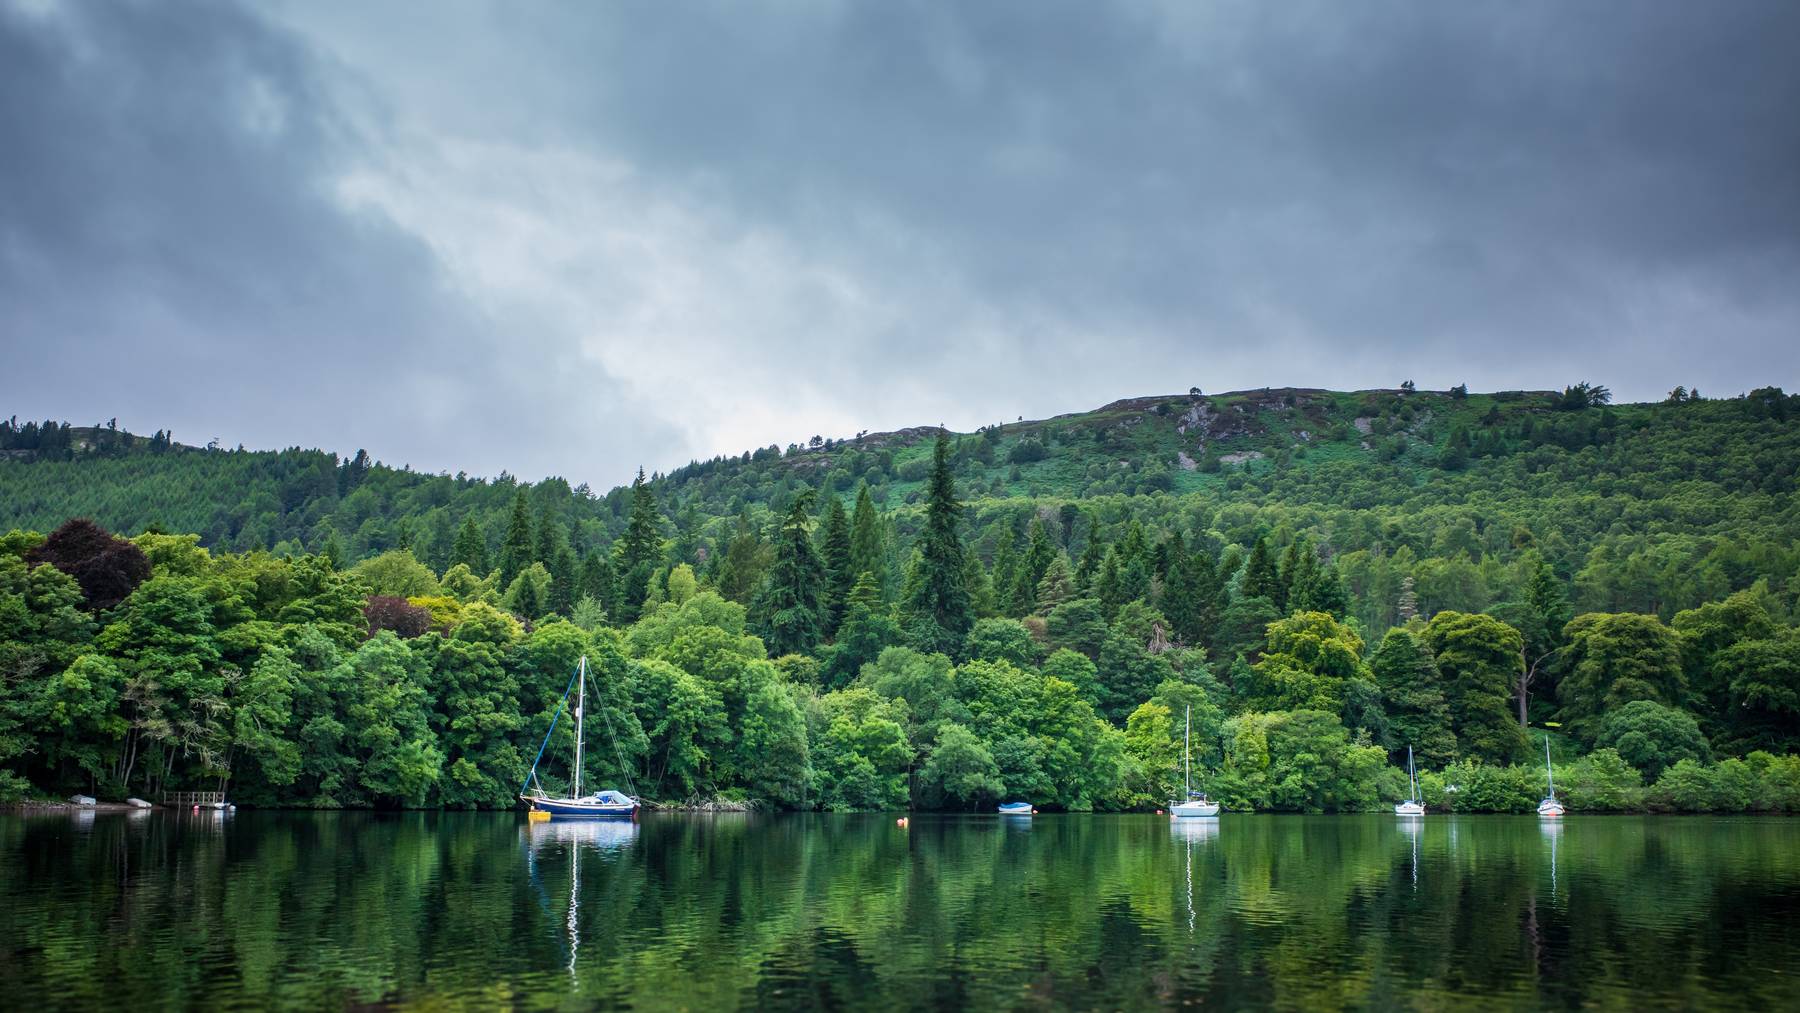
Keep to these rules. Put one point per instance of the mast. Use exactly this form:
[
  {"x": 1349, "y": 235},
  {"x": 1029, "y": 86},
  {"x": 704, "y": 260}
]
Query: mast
[
  {"x": 1187, "y": 776},
  {"x": 1412, "y": 779},
  {"x": 1549, "y": 775},
  {"x": 580, "y": 707}
]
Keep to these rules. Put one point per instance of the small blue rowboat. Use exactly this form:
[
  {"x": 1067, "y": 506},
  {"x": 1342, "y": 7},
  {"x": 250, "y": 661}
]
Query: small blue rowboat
[
  {"x": 1016, "y": 809},
  {"x": 603, "y": 805}
]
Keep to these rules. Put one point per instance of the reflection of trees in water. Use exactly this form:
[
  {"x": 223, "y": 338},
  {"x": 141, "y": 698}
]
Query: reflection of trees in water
[{"x": 799, "y": 911}]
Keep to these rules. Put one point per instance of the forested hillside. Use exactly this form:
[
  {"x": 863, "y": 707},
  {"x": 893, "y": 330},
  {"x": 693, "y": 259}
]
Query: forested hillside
[{"x": 926, "y": 619}]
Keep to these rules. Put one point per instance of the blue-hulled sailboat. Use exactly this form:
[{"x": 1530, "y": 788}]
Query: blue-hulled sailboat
[
  {"x": 607, "y": 804},
  {"x": 1016, "y": 809}
]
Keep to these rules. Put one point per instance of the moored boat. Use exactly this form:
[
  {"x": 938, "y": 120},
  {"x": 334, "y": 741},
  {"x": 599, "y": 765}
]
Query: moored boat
[
  {"x": 1412, "y": 806},
  {"x": 1550, "y": 806},
  {"x": 1016, "y": 809},
  {"x": 1196, "y": 804},
  {"x": 607, "y": 804}
]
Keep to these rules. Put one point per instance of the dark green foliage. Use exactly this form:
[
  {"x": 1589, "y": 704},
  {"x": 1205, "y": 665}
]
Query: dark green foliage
[
  {"x": 790, "y": 608},
  {"x": 835, "y": 556},
  {"x": 640, "y": 550},
  {"x": 516, "y": 550},
  {"x": 1478, "y": 657},
  {"x": 1683, "y": 513},
  {"x": 1652, "y": 737},
  {"x": 1261, "y": 579},
  {"x": 937, "y": 613},
  {"x": 471, "y": 546},
  {"x": 1612, "y": 660},
  {"x": 1417, "y": 710}
]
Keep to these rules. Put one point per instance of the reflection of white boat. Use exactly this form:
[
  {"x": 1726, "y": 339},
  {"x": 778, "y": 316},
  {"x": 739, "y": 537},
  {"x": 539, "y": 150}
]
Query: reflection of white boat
[
  {"x": 601, "y": 835},
  {"x": 1190, "y": 831},
  {"x": 1412, "y": 806},
  {"x": 1196, "y": 804},
  {"x": 1549, "y": 806}
]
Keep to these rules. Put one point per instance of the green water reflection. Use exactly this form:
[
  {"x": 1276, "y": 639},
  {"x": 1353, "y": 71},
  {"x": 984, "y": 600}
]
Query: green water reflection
[{"x": 331, "y": 910}]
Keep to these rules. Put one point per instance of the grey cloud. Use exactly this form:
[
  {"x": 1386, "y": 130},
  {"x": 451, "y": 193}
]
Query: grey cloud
[{"x": 816, "y": 217}]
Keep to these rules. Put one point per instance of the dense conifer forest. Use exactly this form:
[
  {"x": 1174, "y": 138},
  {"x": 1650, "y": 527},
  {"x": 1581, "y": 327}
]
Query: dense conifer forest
[{"x": 937, "y": 620}]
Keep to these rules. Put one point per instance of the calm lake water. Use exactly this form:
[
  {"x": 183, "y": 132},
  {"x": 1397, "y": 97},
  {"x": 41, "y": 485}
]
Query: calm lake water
[{"x": 334, "y": 910}]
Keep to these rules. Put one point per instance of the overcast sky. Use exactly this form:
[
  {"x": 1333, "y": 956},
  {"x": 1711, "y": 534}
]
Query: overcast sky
[{"x": 569, "y": 239}]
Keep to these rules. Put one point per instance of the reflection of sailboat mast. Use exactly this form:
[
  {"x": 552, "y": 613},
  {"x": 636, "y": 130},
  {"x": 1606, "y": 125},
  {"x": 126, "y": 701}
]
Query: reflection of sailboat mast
[
  {"x": 574, "y": 905},
  {"x": 1190, "y": 884}
]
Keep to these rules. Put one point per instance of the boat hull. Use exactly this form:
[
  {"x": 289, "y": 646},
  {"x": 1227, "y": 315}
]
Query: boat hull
[
  {"x": 1550, "y": 808},
  {"x": 1409, "y": 809},
  {"x": 575, "y": 809},
  {"x": 1016, "y": 809},
  {"x": 1193, "y": 810}
]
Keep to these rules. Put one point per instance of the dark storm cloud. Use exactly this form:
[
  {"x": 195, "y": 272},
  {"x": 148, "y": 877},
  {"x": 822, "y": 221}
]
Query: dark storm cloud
[
  {"x": 171, "y": 253},
  {"x": 450, "y": 238}
]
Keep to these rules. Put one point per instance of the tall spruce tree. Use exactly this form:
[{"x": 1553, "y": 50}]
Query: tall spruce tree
[
  {"x": 1039, "y": 551},
  {"x": 1418, "y": 713},
  {"x": 789, "y": 607},
  {"x": 834, "y": 553},
  {"x": 516, "y": 551},
  {"x": 868, "y": 547},
  {"x": 640, "y": 550},
  {"x": 1181, "y": 599},
  {"x": 1088, "y": 566},
  {"x": 1260, "y": 577},
  {"x": 1006, "y": 574},
  {"x": 937, "y": 614},
  {"x": 599, "y": 582},
  {"x": 471, "y": 547}
]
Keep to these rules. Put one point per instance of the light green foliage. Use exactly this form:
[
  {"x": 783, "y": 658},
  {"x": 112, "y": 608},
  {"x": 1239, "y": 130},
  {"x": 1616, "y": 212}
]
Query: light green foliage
[
  {"x": 1308, "y": 658},
  {"x": 1601, "y": 782},
  {"x": 396, "y": 574},
  {"x": 1299, "y": 761},
  {"x": 860, "y": 740}
]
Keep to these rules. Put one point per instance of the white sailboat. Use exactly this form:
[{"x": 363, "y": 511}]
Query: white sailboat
[
  {"x": 1196, "y": 804},
  {"x": 1549, "y": 807},
  {"x": 1413, "y": 806}
]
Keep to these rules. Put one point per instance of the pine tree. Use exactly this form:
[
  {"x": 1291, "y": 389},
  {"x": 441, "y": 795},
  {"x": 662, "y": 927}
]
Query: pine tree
[
  {"x": 1089, "y": 566},
  {"x": 937, "y": 613},
  {"x": 1260, "y": 579},
  {"x": 599, "y": 582},
  {"x": 1039, "y": 551},
  {"x": 565, "y": 578},
  {"x": 789, "y": 606},
  {"x": 471, "y": 547},
  {"x": 1058, "y": 585},
  {"x": 1291, "y": 573},
  {"x": 868, "y": 549},
  {"x": 834, "y": 553},
  {"x": 1107, "y": 584},
  {"x": 549, "y": 535},
  {"x": 640, "y": 550},
  {"x": 1006, "y": 575},
  {"x": 1181, "y": 600},
  {"x": 516, "y": 550},
  {"x": 1411, "y": 688}
]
